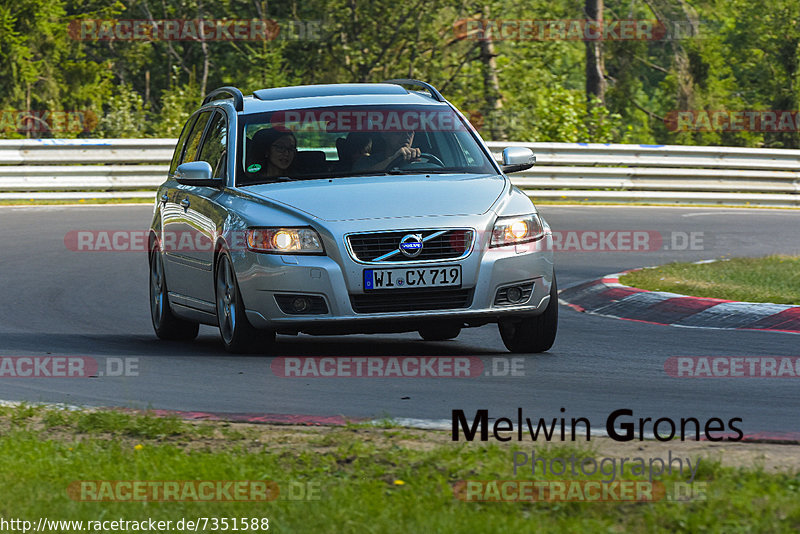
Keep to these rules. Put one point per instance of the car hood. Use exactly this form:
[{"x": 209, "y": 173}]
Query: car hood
[{"x": 381, "y": 197}]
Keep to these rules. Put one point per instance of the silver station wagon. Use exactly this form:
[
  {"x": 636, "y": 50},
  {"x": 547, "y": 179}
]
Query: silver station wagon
[{"x": 342, "y": 209}]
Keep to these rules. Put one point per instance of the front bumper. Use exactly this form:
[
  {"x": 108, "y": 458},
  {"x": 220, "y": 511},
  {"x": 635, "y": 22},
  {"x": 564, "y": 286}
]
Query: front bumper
[{"x": 336, "y": 279}]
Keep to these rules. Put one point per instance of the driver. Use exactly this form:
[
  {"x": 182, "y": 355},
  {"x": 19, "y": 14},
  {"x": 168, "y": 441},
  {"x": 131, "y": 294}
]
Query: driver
[{"x": 397, "y": 150}]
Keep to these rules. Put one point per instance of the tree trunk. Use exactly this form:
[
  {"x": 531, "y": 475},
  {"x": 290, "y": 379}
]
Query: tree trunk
[
  {"x": 491, "y": 88},
  {"x": 670, "y": 12},
  {"x": 595, "y": 69}
]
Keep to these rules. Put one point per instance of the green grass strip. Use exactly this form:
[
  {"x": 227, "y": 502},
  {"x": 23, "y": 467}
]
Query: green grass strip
[
  {"x": 774, "y": 279},
  {"x": 368, "y": 479}
]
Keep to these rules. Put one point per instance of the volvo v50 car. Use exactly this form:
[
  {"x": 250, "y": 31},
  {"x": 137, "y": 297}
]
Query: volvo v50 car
[{"x": 346, "y": 208}]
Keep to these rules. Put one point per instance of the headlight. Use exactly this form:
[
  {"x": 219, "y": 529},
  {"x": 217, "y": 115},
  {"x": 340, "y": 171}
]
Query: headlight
[
  {"x": 284, "y": 240},
  {"x": 516, "y": 230}
]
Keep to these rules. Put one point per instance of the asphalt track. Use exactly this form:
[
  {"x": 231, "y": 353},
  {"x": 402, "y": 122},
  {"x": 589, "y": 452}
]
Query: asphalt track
[{"x": 60, "y": 302}]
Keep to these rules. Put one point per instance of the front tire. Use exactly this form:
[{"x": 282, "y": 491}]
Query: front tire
[
  {"x": 165, "y": 323},
  {"x": 532, "y": 334},
  {"x": 238, "y": 335},
  {"x": 440, "y": 332}
]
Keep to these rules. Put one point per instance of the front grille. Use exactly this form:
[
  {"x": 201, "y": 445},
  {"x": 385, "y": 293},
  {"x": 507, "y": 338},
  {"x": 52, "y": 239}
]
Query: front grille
[
  {"x": 415, "y": 300},
  {"x": 436, "y": 245}
]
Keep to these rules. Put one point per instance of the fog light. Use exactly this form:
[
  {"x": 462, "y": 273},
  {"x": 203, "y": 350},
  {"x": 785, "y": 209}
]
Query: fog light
[
  {"x": 300, "y": 304},
  {"x": 514, "y": 294}
]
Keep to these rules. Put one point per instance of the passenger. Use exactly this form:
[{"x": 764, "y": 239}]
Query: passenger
[
  {"x": 356, "y": 145},
  {"x": 397, "y": 150},
  {"x": 279, "y": 148}
]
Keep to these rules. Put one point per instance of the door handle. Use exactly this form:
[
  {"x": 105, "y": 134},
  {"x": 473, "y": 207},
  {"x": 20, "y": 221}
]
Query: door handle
[{"x": 185, "y": 203}]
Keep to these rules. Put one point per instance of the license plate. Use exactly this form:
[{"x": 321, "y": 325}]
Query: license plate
[{"x": 412, "y": 277}]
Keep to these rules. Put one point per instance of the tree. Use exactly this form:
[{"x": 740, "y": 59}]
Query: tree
[{"x": 595, "y": 69}]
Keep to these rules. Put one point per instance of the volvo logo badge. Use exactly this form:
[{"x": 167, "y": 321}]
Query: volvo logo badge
[{"x": 411, "y": 245}]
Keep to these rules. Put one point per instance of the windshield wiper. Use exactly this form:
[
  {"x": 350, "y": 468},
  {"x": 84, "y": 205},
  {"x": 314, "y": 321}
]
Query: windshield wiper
[
  {"x": 341, "y": 175},
  {"x": 392, "y": 172},
  {"x": 276, "y": 179},
  {"x": 421, "y": 171}
]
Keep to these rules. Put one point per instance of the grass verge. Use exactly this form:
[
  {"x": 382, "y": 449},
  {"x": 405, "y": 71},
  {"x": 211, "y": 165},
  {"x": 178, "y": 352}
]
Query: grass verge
[
  {"x": 366, "y": 478},
  {"x": 774, "y": 279}
]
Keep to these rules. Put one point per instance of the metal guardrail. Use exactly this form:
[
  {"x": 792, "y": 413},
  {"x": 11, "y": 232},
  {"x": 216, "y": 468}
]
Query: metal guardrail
[
  {"x": 662, "y": 174},
  {"x": 85, "y": 151}
]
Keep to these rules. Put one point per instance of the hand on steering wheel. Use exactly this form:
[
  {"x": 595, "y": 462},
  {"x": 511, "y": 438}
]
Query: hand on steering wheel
[{"x": 427, "y": 156}]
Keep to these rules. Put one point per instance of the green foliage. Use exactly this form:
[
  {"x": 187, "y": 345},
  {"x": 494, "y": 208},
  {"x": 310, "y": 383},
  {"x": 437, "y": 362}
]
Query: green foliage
[
  {"x": 42, "y": 68},
  {"x": 738, "y": 56},
  {"x": 124, "y": 115},
  {"x": 177, "y": 104},
  {"x": 350, "y": 479},
  {"x": 114, "y": 422}
]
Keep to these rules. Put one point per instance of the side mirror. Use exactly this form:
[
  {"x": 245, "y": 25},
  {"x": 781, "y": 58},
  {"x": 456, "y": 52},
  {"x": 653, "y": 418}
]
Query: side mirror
[
  {"x": 517, "y": 158},
  {"x": 196, "y": 173}
]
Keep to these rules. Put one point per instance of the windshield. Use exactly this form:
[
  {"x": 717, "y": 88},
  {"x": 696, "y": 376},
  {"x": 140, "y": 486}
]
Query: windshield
[{"x": 356, "y": 140}]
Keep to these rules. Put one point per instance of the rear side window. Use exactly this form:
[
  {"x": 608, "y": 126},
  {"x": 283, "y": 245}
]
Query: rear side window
[
  {"x": 176, "y": 157},
  {"x": 193, "y": 141},
  {"x": 214, "y": 147}
]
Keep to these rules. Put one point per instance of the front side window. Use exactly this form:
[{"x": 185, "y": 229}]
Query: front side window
[
  {"x": 190, "y": 154},
  {"x": 178, "y": 155},
  {"x": 357, "y": 141},
  {"x": 215, "y": 145}
]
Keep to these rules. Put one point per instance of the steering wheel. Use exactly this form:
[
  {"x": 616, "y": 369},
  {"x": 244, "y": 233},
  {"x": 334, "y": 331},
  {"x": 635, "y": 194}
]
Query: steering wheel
[{"x": 428, "y": 157}]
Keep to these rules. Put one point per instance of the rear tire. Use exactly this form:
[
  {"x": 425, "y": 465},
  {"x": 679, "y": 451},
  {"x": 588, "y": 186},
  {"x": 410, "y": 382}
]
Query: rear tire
[
  {"x": 165, "y": 323},
  {"x": 238, "y": 335},
  {"x": 532, "y": 334},
  {"x": 440, "y": 332}
]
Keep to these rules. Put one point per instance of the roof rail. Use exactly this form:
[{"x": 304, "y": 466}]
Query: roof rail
[
  {"x": 238, "y": 97},
  {"x": 436, "y": 95}
]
